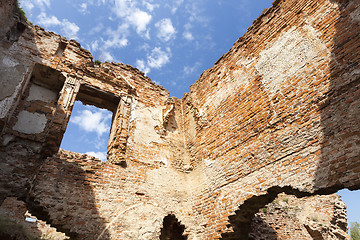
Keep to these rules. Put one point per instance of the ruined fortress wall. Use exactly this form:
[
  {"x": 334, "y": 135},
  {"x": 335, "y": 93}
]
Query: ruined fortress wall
[
  {"x": 278, "y": 112},
  {"x": 43, "y": 75},
  {"x": 282, "y": 109}
]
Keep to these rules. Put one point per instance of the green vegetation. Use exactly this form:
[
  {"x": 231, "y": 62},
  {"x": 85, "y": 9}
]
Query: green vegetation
[
  {"x": 355, "y": 230},
  {"x": 264, "y": 210},
  {"x": 21, "y": 11},
  {"x": 97, "y": 62},
  {"x": 10, "y": 229}
]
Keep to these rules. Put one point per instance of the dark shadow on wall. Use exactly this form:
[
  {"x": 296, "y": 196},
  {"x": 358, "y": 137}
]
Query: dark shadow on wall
[
  {"x": 16, "y": 174},
  {"x": 244, "y": 216},
  {"x": 63, "y": 196},
  {"x": 172, "y": 229},
  {"x": 12, "y": 222},
  {"x": 339, "y": 166},
  {"x": 260, "y": 229}
]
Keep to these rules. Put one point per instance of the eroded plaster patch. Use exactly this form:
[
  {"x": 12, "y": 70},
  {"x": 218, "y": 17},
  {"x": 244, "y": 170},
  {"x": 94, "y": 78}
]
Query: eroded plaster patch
[
  {"x": 11, "y": 73},
  {"x": 230, "y": 83},
  {"x": 40, "y": 93},
  {"x": 30, "y": 123},
  {"x": 145, "y": 132},
  {"x": 355, "y": 15},
  {"x": 5, "y": 105},
  {"x": 286, "y": 56}
]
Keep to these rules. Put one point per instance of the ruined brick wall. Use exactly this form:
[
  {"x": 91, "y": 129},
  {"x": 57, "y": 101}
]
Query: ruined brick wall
[
  {"x": 282, "y": 108},
  {"x": 44, "y": 74},
  {"x": 288, "y": 217},
  {"x": 278, "y": 113},
  {"x": 90, "y": 199}
]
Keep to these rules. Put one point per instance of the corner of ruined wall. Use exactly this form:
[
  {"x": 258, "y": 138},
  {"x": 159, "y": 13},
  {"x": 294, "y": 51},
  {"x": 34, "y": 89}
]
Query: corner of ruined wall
[{"x": 276, "y": 108}]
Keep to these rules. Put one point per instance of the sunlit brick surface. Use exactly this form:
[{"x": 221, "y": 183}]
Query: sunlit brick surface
[{"x": 279, "y": 112}]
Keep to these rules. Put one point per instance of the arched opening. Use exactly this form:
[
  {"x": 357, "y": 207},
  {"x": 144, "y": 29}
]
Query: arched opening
[
  {"x": 172, "y": 229},
  {"x": 286, "y": 213}
]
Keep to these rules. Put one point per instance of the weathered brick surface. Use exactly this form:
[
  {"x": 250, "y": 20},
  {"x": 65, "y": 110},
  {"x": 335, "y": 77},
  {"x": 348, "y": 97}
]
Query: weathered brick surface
[
  {"x": 279, "y": 112},
  {"x": 96, "y": 199},
  {"x": 288, "y": 217},
  {"x": 282, "y": 108}
]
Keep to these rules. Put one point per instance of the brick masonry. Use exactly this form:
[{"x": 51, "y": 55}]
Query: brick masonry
[{"x": 279, "y": 112}]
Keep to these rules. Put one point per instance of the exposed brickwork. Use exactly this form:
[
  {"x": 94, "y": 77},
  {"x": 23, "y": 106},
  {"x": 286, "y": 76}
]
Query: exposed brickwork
[
  {"x": 282, "y": 108},
  {"x": 279, "y": 112},
  {"x": 288, "y": 217}
]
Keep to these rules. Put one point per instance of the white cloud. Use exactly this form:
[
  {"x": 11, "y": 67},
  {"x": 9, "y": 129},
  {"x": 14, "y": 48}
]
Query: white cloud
[
  {"x": 69, "y": 29},
  {"x": 42, "y": 2},
  {"x": 139, "y": 19},
  {"x": 96, "y": 29},
  {"x": 166, "y": 30},
  {"x": 150, "y": 6},
  {"x": 195, "y": 10},
  {"x": 156, "y": 59},
  {"x": 191, "y": 69},
  {"x": 106, "y": 56},
  {"x": 188, "y": 36},
  {"x": 176, "y": 5},
  {"x": 95, "y": 45},
  {"x": 83, "y": 8},
  {"x": 117, "y": 38},
  {"x": 48, "y": 21},
  {"x": 27, "y": 5},
  {"x": 133, "y": 16},
  {"x": 140, "y": 64},
  {"x": 93, "y": 121},
  {"x": 144, "y": 47},
  {"x": 99, "y": 155},
  {"x": 187, "y": 33}
]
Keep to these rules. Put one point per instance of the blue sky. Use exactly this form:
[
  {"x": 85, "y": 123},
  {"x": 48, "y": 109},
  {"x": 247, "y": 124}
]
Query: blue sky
[
  {"x": 88, "y": 130},
  {"x": 172, "y": 41}
]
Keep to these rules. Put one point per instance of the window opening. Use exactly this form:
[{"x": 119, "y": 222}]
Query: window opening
[{"x": 88, "y": 130}]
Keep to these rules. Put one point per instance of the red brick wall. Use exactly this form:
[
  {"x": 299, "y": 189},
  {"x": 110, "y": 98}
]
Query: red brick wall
[{"x": 282, "y": 108}]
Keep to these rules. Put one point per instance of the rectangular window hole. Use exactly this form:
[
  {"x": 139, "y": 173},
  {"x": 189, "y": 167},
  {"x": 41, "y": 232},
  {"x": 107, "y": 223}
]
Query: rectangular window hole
[{"x": 88, "y": 130}]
